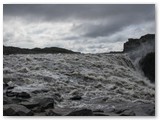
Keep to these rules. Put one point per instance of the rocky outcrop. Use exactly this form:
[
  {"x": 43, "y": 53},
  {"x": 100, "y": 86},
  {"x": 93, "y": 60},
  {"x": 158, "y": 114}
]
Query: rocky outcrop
[
  {"x": 148, "y": 66},
  {"x": 144, "y": 41},
  {"x": 15, "y": 50},
  {"x": 142, "y": 53},
  {"x": 16, "y": 110}
]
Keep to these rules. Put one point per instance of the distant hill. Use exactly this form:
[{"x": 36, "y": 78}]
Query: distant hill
[{"x": 15, "y": 50}]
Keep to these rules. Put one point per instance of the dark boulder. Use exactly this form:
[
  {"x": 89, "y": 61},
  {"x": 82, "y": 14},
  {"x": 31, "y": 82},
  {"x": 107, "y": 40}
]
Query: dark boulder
[
  {"x": 16, "y": 110},
  {"x": 81, "y": 112},
  {"x": 10, "y": 93},
  {"x": 40, "y": 114},
  {"x": 76, "y": 97},
  {"x": 128, "y": 113},
  {"x": 6, "y": 100},
  {"x": 5, "y": 85},
  {"x": 44, "y": 103},
  {"x": 144, "y": 109},
  {"x": 51, "y": 113},
  {"x": 99, "y": 114},
  {"x": 10, "y": 87},
  {"x": 29, "y": 105},
  {"x": 18, "y": 100},
  {"x": 58, "y": 111},
  {"x": 9, "y": 112},
  {"x": 23, "y": 95},
  {"x": 148, "y": 66},
  {"x": 47, "y": 103},
  {"x": 134, "y": 109}
]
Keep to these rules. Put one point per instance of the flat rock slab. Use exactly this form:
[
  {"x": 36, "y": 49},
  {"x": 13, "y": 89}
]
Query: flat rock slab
[
  {"x": 16, "y": 110},
  {"x": 52, "y": 113},
  {"x": 62, "y": 111},
  {"x": 81, "y": 112},
  {"x": 131, "y": 109},
  {"x": 29, "y": 105}
]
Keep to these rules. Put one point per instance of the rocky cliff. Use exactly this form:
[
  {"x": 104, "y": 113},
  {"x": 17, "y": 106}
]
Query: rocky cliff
[
  {"x": 146, "y": 41},
  {"x": 142, "y": 53}
]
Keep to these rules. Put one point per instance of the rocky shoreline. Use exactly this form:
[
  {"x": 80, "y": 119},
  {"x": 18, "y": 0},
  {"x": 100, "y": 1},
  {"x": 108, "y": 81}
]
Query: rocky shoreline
[{"x": 23, "y": 104}]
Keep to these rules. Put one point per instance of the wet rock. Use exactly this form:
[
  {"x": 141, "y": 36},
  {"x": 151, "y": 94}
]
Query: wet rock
[
  {"x": 81, "y": 112},
  {"x": 29, "y": 105},
  {"x": 16, "y": 110},
  {"x": 37, "y": 109},
  {"x": 51, "y": 113},
  {"x": 10, "y": 94},
  {"x": 18, "y": 100},
  {"x": 5, "y": 85},
  {"x": 98, "y": 110},
  {"x": 135, "y": 109},
  {"x": 6, "y": 100},
  {"x": 128, "y": 113},
  {"x": 62, "y": 111},
  {"x": 57, "y": 94},
  {"x": 39, "y": 114},
  {"x": 44, "y": 103},
  {"x": 143, "y": 109},
  {"x": 99, "y": 114},
  {"x": 119, "y": 111},
  {"x": 99, "y": 85},
  {"x": 9, "y": 112},
  {"x": 148, "y": 66},
  {"x": 76, "y": 97},
  {"x": 150, "y": 111},
  {"x": 23, "y": 95},
  {"x": 47, "y": 103},
  {"x": 10, "y": 87}
]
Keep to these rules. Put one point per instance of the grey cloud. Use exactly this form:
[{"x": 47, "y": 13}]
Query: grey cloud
[
  {"x": 115, "y": 17},
  {"x": 115, "y": 24},
  {"x": 75, "y": 11},
  {"x": 72, "y": 38},
  {"x": 80, "y": 27}
]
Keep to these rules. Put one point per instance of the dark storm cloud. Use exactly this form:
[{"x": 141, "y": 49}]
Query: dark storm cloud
[
  {"x": 115, "y": 26},
  {"x": 63, "y": 12}
]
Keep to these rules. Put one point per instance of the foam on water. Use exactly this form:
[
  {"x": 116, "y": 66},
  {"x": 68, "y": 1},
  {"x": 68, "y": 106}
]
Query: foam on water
[{"x": 99, "y": 78}]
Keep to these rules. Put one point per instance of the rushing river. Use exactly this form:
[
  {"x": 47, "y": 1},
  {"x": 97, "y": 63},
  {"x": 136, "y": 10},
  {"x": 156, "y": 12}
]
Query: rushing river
[{"x": 98, "y": 79}]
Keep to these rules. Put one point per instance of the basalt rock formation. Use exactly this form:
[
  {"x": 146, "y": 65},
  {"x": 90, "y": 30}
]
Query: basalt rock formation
[
  {"x": 146, "y": 41},
  {"x": 142, "y": 53}
]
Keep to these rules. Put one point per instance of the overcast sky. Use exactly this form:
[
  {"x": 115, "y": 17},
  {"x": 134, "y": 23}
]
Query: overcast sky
[{"x": 83, "y": 28}]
